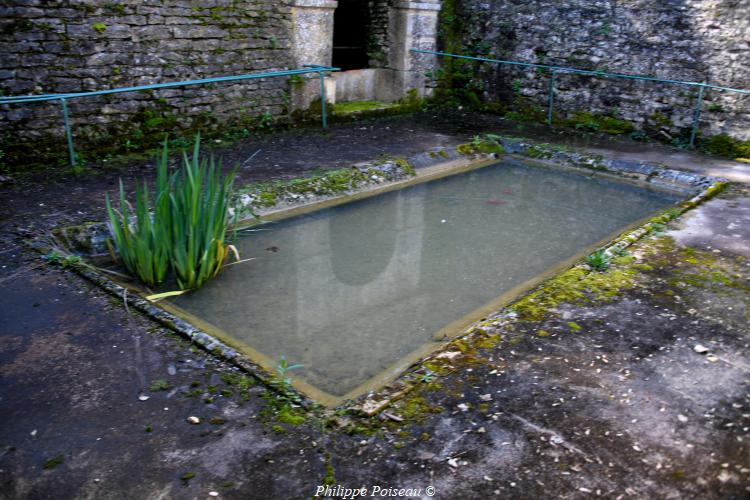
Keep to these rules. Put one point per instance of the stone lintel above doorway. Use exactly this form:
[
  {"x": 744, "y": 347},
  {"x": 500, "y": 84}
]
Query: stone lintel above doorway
[
  {"x": 433, "y": 5},
  {"x": 318, "y": 4}
]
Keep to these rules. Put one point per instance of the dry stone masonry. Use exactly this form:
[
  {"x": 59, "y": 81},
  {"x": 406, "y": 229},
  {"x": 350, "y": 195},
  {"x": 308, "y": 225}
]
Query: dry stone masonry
[
  {"x": 85, "y": 45},
  {"x": 693, "y": 40}
]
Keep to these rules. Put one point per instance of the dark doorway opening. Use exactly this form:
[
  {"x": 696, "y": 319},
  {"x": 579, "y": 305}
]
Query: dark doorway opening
[{"x": 350, "y": 33}]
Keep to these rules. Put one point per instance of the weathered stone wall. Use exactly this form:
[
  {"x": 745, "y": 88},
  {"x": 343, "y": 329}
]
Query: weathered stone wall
[
  {"x": 378, "y": 44},
  {"x": 83, "y": 45},
  {"x": 693, "y": 40}
]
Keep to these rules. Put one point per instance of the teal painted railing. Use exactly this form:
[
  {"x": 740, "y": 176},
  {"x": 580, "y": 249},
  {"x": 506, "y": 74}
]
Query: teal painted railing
[
  {"x": 553, "y": 70},
  {"x": 63, "y": 98}
]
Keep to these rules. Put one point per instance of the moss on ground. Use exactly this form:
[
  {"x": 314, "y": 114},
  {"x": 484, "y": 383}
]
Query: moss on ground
[
  {"x": 486, "y": 144},
  {"x": 266, "y": 195},
  {"x": 701, "y": 269},
  {"x": 414, "y": 408},
  {"x": 359, "y": 106},
  {"x": 356, "y": 110},
  {"x": 574, "y": 286},
  {"x": 290, "y": 416}
]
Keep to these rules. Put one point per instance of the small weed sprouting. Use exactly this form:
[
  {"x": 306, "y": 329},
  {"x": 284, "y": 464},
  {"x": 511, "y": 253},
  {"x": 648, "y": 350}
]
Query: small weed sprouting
[
  {"x": 598, "y": 261},
  {"x": 428, "y": 377},
  {"x": 638, "y": 135},
  {"x": 265, "y": 121},
  {"x": 71, "y": 260},
  {"x": 588, "y": 125},
  {"x": 282, "y": 383},
  {"x": 53, "y": 257},
  {"x": 282, "y": 405},
  {"x": 574, "y": 326},
  {"x": 620, "y": 252},
  {"x": 159, "y": 385},
  {"x": 657, "y": 229},
  {"x": 54, "y": 461}
]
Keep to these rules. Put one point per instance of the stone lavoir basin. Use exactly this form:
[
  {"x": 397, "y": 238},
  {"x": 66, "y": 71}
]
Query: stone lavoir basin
[{"x": 358, "y": 292}]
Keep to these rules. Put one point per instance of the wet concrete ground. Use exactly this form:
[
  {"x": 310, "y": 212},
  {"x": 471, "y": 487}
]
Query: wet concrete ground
[{"x": 619, "y": 406}]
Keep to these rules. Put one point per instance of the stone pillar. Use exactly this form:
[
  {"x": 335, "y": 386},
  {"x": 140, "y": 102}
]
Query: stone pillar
[
  {"x": 312, "y": 43},
  {"x": 412, "y": 25}
]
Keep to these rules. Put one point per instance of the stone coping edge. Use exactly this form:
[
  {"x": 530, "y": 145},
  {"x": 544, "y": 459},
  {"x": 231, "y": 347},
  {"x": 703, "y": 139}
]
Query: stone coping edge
[{"x": 376, "y": 401}]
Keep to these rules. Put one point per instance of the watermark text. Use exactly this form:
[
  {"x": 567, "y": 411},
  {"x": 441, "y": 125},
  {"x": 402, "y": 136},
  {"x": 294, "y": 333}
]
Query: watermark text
[{"x": 338, "y": 491}]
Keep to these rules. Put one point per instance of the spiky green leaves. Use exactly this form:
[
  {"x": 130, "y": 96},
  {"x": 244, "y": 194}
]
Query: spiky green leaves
[{"x": 186, "y": 231}]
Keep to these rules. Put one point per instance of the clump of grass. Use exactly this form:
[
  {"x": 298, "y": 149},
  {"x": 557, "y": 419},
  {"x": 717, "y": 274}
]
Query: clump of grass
[
  {"x": 599, "y": 260},
  {"x": 186, "y": 230}
]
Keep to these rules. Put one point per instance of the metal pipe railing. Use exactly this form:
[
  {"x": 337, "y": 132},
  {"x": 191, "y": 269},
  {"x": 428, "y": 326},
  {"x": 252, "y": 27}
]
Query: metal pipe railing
[
  {"x": 562, "y": 69},
  {"x": 63, "y": 98}
]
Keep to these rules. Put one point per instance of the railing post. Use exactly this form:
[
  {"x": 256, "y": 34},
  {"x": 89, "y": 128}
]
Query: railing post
[
  {"x": 551, "y": 99},
  {"x": 68, "y": 133},
  {"x": 697, "y": 116},
  {"x": 323, "y": 113}
]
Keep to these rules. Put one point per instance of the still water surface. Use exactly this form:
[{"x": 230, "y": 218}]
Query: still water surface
[{"x": 348, "y": 291}]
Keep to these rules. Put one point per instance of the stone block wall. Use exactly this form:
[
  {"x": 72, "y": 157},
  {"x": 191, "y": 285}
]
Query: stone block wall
[
  {"x": 378, "y": 44},
  {"x": 53, "y": 46},
  {"x": 83, "y": 45},
  {"x": 693, "y": 40}
]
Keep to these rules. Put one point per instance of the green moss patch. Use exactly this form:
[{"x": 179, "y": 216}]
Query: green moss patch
[
  {"x": 727, "y": 146},
  {"x": 159, "y": 385},
  {"x": 332, "y": 182},
  {"x": 344, "y": 108},
  {"x": 288, "y": 416},
  {"x": 599, "y": 123},
  {"x": 484, "y": 144},
  {"x": 574, "y": 286}
]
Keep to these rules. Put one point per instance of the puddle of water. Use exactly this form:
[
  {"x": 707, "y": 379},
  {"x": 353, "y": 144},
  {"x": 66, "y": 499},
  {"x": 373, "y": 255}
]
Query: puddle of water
[{"x": 354, "y": 291}]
